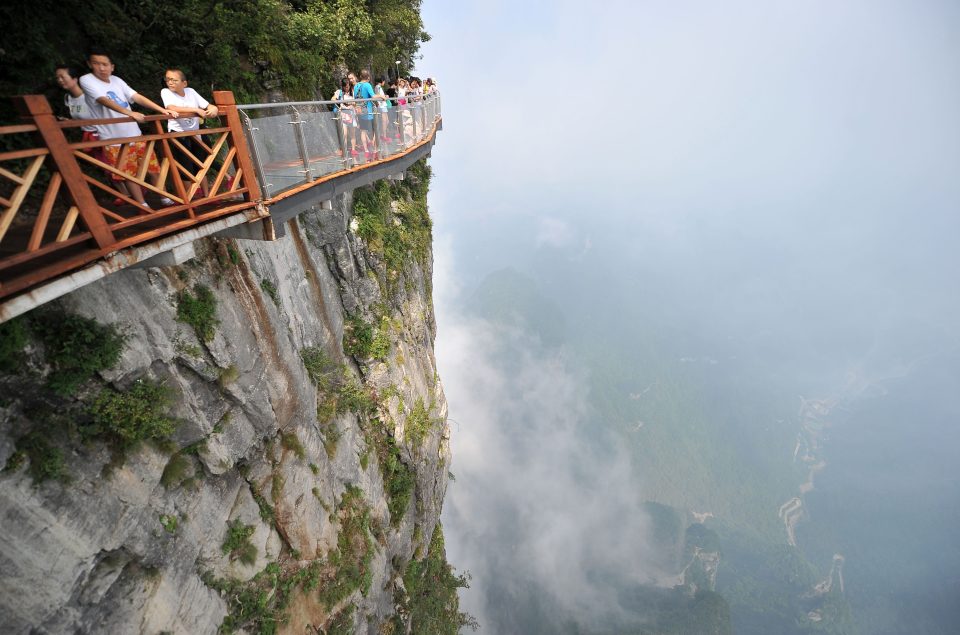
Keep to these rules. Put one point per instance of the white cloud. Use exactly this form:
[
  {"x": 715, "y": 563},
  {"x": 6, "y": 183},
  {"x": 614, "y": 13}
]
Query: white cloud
[{"x": 554, "y": 232}]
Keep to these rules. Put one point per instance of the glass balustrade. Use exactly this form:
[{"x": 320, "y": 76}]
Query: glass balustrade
[{"x": 299, "y": 142}]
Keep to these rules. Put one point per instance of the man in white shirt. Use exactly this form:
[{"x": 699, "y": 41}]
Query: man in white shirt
[
  {"x": 179, "y": 97},
  {"x": 109, "y": 97}
]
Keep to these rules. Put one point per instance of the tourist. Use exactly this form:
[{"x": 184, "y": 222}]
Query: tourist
[
  {"x": 404, "y": 118},
  {"x": 364, "y": 90},
  {"x": 182, "y": 99},
  {"x": 384, "y": 107},
  {"x": 109, "y": 97},
  {"x": 346, "y": 115},
  {"x": 68, "y": 78}
]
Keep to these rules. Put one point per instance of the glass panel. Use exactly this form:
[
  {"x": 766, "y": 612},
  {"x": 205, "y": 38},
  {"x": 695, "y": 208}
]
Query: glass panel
[
  {"x": 329, "y": 144},
  {"x": 276, "y": 149},
  {"x": 323, "y": 140}
]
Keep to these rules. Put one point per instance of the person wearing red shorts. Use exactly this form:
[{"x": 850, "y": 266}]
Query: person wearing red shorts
[{"x": 109, "y": 97}]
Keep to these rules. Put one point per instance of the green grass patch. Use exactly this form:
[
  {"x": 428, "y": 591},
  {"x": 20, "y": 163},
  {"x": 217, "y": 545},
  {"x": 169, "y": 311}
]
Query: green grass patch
[
  {"x": 138, "y": 414},
  {"x": 46, "y": 462},
  {"x": 398, "y": 478},
  {"x": 331, "y": 439},
  {"x": 418, "y": 423},
  {"x": 267, "y": 513},
  {"x": 259, "y": 605},
  {"x": 237, "y": 543},
  {"x": 338, "y": 391},
  {"x": 176, "y": 471},
  {"x": 357, "y": 337},
  {"x": 228, "y": 375},
  {"x": 170, "y": 523},
  {"x": 276, "y": 487},
  {"x": 223, "y": 422},
  {"x": 354, "y": 553},
  {"x": 270, "y": 289},
  {"x": 363, "y": 340},
  {"x": 290, "y": 441},
  {"x": 199, "y": 310},
  {"x": 380, "y": 347},
  {"x": 76, "y": 347}
]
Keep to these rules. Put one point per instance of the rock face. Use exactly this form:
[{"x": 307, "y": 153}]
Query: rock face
[{"x": 295, "y": 469}]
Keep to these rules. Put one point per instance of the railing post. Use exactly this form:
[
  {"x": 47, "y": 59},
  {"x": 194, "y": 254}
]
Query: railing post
[
  {"x": 297, "y": 123},
  {"x": 227, "y": 106},
  {"x": 376, "y": 131},
  {"x": 38, "y": 109},
  {"x": 423, "y": 119},
  {"x": 341, "y": 136},
  {"x": 398, "y": 118},
  {"x": 255, "y": 154},
  {"x": 413, "y": 118}
]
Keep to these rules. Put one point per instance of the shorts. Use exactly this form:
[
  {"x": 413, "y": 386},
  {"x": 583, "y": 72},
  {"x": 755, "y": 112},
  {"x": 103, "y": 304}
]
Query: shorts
[
  {"x": 91, "y": 135},
  {"x": 132, "y": 158},
  {"x": 366, "y": 124}
]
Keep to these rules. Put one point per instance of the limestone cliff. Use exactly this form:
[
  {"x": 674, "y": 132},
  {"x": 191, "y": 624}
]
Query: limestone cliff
[{"x": 255, "y": 439}]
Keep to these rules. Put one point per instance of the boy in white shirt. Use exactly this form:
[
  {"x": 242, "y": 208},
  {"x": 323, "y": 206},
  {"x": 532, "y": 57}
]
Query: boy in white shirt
[
  {"x": 179, "y": 97},
  {"x": 109, "y": 97}
]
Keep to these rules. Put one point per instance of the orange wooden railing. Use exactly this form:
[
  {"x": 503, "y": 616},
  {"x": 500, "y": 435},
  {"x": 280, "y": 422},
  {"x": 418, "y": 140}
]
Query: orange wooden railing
[{"x": 57, "y": 197}]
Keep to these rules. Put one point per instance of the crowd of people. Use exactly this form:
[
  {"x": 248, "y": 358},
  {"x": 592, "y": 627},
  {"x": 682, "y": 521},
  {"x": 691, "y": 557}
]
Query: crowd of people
[
  {"x": 384, "y": 112},
  {"x": 99, "y": 94}
]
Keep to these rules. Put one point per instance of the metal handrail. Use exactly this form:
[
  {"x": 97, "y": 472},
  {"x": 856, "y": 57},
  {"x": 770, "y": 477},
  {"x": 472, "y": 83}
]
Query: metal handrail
[{"x": 334, "y": 102}]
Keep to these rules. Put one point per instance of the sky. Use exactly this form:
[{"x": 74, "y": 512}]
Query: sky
[{"x": 783, "y": 161}]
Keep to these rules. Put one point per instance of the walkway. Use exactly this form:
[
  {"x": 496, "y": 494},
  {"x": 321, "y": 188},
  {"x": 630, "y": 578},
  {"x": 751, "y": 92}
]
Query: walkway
[{"x": 66, "y": 220}]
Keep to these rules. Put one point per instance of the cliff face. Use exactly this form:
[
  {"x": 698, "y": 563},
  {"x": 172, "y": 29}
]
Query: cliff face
[{"x": 297, "y": 451}]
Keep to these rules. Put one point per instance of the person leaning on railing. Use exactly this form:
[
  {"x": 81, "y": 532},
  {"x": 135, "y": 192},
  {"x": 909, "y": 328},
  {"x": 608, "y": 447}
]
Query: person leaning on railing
[
  {"x": 364, "y": 90},
  {"x": 405, "y": 119},
  {"x": 182, "y": 99},
  {"x": 346, "y": 115},
  {"x": 68, "y": 78},
  {"x": 109, "y": 97}
]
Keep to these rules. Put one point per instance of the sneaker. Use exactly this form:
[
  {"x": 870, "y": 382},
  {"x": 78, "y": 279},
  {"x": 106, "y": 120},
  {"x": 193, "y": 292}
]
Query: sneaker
[
  {"x": 386, "y": 139},
  {"x": 354, "y": 153},
  {"x": 166, "y": 202},
  {"x": 117, "y": 202}
]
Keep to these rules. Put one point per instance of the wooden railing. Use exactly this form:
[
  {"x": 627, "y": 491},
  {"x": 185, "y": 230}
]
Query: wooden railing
[{"x": 62, "y": 205}]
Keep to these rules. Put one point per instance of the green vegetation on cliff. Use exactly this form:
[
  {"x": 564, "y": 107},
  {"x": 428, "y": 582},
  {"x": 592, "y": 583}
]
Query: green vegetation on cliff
[
  {"x": 431, "y": 601},
  {"x": 394, "y": 221}
]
